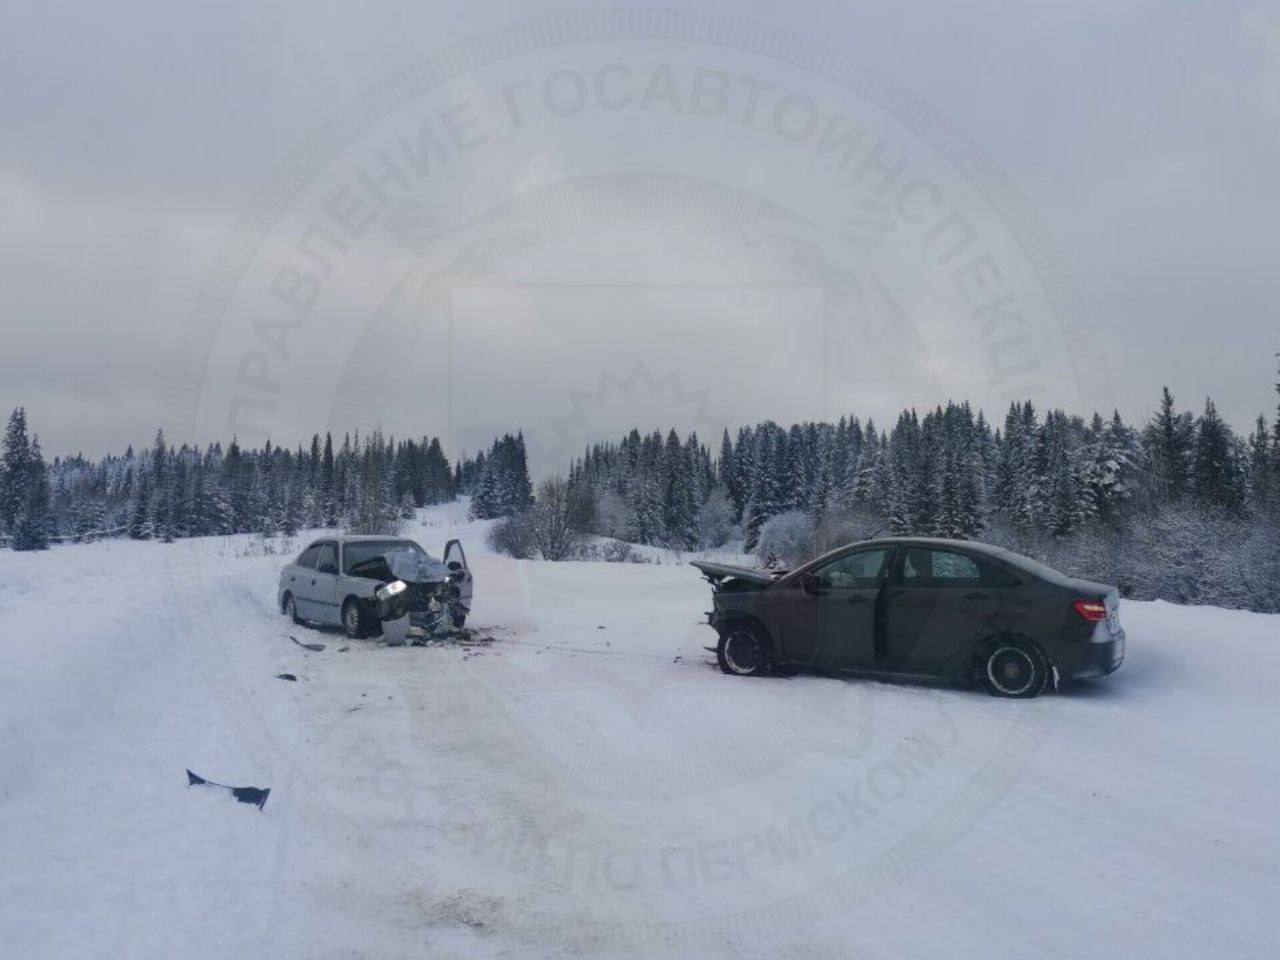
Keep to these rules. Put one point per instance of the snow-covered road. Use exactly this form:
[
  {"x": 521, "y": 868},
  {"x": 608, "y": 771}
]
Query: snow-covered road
[{"x": 590, "y": 785}]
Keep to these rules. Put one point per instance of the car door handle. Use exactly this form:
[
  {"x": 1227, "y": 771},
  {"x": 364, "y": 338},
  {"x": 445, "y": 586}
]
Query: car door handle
[
  {"x": 977, "y": 595},
  {"x": 313, "y": 583},
  {"x": 857, "y": 599}
]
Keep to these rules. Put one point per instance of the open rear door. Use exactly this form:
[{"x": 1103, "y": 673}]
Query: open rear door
[{"x": 456, "y": 560}]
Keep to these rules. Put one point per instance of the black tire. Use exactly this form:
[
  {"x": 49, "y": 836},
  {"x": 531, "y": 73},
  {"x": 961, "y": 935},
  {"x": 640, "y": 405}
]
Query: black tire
[
  {"x": 743, "y": 651},
  {"x": 354, "y": 621},
  {"x": 290, "y": 608},
  {"x": 1014, "y": 669}
]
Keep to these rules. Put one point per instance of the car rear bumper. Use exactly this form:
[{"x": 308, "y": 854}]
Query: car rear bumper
[{"x": 1094, "y": 659}]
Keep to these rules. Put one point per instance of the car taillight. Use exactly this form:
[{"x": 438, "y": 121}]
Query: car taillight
[{"x": 1092, "y": 611}]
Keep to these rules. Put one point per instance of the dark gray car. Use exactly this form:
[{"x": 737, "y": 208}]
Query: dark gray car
[{"x": 919, "y": 607}]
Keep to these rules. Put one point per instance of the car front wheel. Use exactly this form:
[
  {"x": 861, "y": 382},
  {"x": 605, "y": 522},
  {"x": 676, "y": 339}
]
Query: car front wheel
[
  {"x": 743, "y": 652},
  {"x": 353, "y": 620},
  {"x": 1012, "y": 668}
]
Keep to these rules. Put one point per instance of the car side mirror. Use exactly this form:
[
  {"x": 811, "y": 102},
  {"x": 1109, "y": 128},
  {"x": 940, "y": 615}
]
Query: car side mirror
[
  {"x": 811, "y": 584},
  {"x": 455, "y": 566}
]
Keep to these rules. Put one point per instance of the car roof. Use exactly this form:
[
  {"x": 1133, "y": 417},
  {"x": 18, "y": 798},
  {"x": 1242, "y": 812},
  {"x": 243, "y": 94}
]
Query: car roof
[
  {"x": 360, "y": 538},
  {"x": 972, "y": 545}
]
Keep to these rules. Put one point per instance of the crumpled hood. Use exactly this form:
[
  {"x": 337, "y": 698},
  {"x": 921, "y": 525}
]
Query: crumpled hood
[
  {"x": 414, "y": 567},
  {"x": 718, "y": 572}
]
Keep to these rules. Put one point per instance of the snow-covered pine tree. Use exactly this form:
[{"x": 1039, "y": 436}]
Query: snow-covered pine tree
[
  {"x": 519, "y": 486},
  {"x": 1059, "y": 511},
  {"x": 1260, "y": 492},
  {"x": 292, "y": 518},
  {"x": 326, "y": 493},
  {"x": 908, "y": 501},
  {"x": 894, "y": 500},
  {"x": 727, "y": 472},
  {"x": 680, "y": 503},
  {"x": 863, "y": 489},
  {"x": 645, "y": 499},
  {"x": 846, "y": 464},
  {"x": 1111, "y": 465},
  {"x": 964, "y": 448},
  {"x": 177, "y": 522},
  {"x": 948, "y": 518},
  {"x": 1168, "y": 441},
  {"x": 1216, "y": 477},
  {"x": 771, "y": 481},
  {"x": 31, "y": 529},
  {"x": 140, "y": 525},
  {"x": 483, "y": 494},
  {"x": 1019, "y": 488},
  {"x": 15, "y": 469},
  {"x": 823, "y": 489},
  {"x": 439, "y": 486},
  {"x": 1273, "y": 483}
]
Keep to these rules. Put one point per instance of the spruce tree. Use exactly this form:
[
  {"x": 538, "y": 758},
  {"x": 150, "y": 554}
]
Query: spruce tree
[
  {"x": 680, "y": 506},
  {"x": 1168, "y": 441},
  {"x": 727, "y": 472},
  {"x": 31, "y": 529},
  {"x": 325, "y": 492},
  {"x": 645, "y": 500},
  {"x": 15, "y": 469},
  {"x": 1260, "y": 491},
  {"x": 1273, "y": 483},
  {"x": 140, "y": 527},
  {"x": 1215, "y": 473}
]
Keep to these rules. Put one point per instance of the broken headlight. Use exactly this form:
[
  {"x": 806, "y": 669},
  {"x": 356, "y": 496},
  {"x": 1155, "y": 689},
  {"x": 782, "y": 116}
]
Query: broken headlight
[{"x": 390, "y": 590}]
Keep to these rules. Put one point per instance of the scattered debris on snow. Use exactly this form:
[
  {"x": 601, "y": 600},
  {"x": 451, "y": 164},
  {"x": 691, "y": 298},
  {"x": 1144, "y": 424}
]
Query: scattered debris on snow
[{"x": 254, "y": 795}]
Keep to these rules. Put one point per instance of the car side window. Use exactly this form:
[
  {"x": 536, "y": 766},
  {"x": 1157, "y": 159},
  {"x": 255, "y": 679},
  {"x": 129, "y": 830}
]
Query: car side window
[
  {"x": 327, "y": 558},
  {"x": 994, "y": 576},
  {"x": 939, "y": 568},
  {"x": 308, "y": 557},
  {"x": 859, "y": 570}
]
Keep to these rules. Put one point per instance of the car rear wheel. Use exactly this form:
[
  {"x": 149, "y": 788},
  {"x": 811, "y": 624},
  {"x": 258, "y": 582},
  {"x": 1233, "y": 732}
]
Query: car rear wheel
[
  {"x": 1012, "y": 668},
  {"x": 743, "y": 652},
  {"x": 290, "y": 608},
  {"x": 353, "y": 620}
]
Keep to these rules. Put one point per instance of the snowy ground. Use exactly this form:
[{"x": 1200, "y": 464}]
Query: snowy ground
[{"x": 590, "y": 785}]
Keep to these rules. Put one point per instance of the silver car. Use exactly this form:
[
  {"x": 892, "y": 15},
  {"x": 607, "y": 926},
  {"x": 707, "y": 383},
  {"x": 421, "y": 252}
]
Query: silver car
[{"x": 367, "y": 583}]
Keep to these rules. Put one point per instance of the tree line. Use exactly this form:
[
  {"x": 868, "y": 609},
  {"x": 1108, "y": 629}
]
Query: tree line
[
  {"x": 1180, "y": 507},
  {"x": 368, "y": 484}
]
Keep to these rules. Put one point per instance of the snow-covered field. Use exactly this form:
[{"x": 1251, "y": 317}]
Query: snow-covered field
[{"x": 589, "y": 784}]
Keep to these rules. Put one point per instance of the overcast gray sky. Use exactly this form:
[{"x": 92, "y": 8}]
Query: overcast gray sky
[{"x": 133, "y": 135}]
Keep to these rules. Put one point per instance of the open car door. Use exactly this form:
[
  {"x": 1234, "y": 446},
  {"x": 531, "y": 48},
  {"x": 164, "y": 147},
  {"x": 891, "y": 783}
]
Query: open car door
[{"x": 456, "y": 560}]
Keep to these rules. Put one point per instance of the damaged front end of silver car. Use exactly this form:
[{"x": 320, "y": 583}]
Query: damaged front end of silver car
[{"x": 421, "y": 604}]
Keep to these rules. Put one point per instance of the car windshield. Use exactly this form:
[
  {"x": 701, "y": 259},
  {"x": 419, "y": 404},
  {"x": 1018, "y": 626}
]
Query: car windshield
[{"x": 368, "y": 558}]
